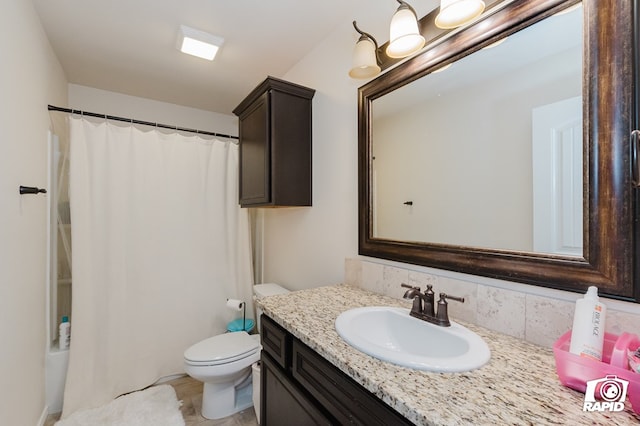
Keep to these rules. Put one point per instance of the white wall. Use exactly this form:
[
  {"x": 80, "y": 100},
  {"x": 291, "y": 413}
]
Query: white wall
[{"x": 30, "y": 78}]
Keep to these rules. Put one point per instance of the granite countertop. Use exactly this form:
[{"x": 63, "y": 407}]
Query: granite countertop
[{"x": 518, "y": 386}]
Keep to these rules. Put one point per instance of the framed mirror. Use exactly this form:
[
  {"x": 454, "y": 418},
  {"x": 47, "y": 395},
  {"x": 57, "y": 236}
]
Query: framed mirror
[{"x": 504, "y": 149}]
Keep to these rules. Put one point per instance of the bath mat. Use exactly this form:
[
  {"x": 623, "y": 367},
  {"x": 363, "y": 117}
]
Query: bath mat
[{"x": 157, "y": 406}]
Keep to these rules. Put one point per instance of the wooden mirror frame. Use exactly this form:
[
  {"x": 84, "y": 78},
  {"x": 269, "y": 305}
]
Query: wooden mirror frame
[{"x": 610, "y": 114}]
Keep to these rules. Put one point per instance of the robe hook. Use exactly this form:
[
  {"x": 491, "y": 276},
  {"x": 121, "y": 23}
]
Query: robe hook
[{"x": 31, "y": 190}]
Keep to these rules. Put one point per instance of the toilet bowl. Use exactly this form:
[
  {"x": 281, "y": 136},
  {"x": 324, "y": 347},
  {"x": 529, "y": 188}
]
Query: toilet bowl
[{"x": 223, "y": 363}]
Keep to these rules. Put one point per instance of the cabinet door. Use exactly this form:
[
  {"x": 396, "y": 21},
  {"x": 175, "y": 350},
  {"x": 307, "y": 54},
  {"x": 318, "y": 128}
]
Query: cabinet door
[
  {"x": 276, "y": 341},
  {"x": 340, "y": 395},
  {"x": 282, "y": 403},
  {"x": 290, "y": 149},
  {"x": 255, "y": 173}
]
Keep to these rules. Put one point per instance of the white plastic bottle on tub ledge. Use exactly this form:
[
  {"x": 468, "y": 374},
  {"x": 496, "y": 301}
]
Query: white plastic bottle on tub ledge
[{"x": 587, "y": 335}]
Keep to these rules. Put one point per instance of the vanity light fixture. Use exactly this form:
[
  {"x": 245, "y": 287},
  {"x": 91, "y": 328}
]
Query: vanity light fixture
[
  {"x": 365, "y": 56},
  {"x": 198, "y": 43},
  {"x": 454, "y": 13},
  {"x": 404, "y": 34}
]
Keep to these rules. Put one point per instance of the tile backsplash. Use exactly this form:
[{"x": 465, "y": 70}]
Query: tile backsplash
[{"x": 537, "y": 318}]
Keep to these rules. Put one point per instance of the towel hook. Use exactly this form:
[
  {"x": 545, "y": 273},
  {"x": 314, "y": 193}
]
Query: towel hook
[{"x": 31, "y": 190}]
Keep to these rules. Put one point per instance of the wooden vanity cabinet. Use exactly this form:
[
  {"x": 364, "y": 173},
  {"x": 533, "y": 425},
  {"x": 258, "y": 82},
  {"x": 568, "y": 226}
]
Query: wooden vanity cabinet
[
  {"x": 298, "y": 386},
  {"x": 275, "y": 145}
]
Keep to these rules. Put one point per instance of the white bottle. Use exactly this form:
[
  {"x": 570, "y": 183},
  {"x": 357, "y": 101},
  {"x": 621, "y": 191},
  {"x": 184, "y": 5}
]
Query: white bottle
[
  {"x": 65, "y": 333},
  {"x": 587, "y": 335}
]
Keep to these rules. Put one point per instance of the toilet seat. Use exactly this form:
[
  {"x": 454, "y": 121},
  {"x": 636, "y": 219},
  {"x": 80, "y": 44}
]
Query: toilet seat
[{"x": 222, "y": 349}]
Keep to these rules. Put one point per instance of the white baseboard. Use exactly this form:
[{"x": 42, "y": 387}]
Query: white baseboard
[
  {"x": 55, "y": 379},
  {"x": 43, "y": 416},
  {"x": 169, "y": 378}
]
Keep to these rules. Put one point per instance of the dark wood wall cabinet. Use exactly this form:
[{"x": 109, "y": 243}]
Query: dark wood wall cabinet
[
  {"x": 300, "y": 387},
  {"x": 275, "y": 145}
]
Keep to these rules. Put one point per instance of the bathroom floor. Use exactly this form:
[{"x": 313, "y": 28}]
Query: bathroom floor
[{"x": 190, "y": 392}]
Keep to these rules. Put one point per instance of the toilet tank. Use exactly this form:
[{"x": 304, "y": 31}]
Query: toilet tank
[{"x": 264, "y": 290}]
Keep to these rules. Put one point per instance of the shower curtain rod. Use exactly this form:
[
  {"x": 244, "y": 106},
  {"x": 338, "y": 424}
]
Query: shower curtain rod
[{"x": 132, "y": 121}]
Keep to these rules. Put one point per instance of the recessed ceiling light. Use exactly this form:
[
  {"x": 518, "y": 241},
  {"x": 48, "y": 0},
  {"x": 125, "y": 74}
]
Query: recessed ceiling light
[{"x": 198, "y": 43}]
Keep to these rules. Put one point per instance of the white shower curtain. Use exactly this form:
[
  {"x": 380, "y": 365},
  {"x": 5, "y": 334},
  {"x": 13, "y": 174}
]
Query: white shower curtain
[{"x": 159, "y": 244}]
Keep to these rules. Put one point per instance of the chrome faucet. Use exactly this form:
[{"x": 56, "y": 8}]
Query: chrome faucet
[{"x": 423, "y": 305}]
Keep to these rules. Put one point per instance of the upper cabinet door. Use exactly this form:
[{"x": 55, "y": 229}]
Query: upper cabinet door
[{"x": 254, "y": 153}]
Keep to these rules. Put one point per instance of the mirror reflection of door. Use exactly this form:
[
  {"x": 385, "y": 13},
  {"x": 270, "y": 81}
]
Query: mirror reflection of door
[{"x": 557, "y": 177}]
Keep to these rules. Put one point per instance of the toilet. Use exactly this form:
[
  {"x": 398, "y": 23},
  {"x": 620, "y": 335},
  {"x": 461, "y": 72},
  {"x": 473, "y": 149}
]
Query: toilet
[{"x": 223, "y": 363}]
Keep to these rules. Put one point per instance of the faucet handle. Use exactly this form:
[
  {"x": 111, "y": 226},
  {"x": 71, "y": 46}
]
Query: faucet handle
[
  {"x": 409, "y": 286},
  {"x": 448, "y": 296},
  {"x": 443, "y": 309}
]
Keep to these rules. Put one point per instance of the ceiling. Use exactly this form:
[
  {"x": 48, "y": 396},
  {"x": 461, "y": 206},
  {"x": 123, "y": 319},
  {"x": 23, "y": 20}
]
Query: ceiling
[{"x": 129, "y": 46}]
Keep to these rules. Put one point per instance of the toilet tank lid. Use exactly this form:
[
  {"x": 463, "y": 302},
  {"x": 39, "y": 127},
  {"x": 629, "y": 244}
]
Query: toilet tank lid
[{"x": 269, "y": 289}]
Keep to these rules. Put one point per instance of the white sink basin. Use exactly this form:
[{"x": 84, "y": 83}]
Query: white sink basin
[{"x": 392, "y": 335}]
